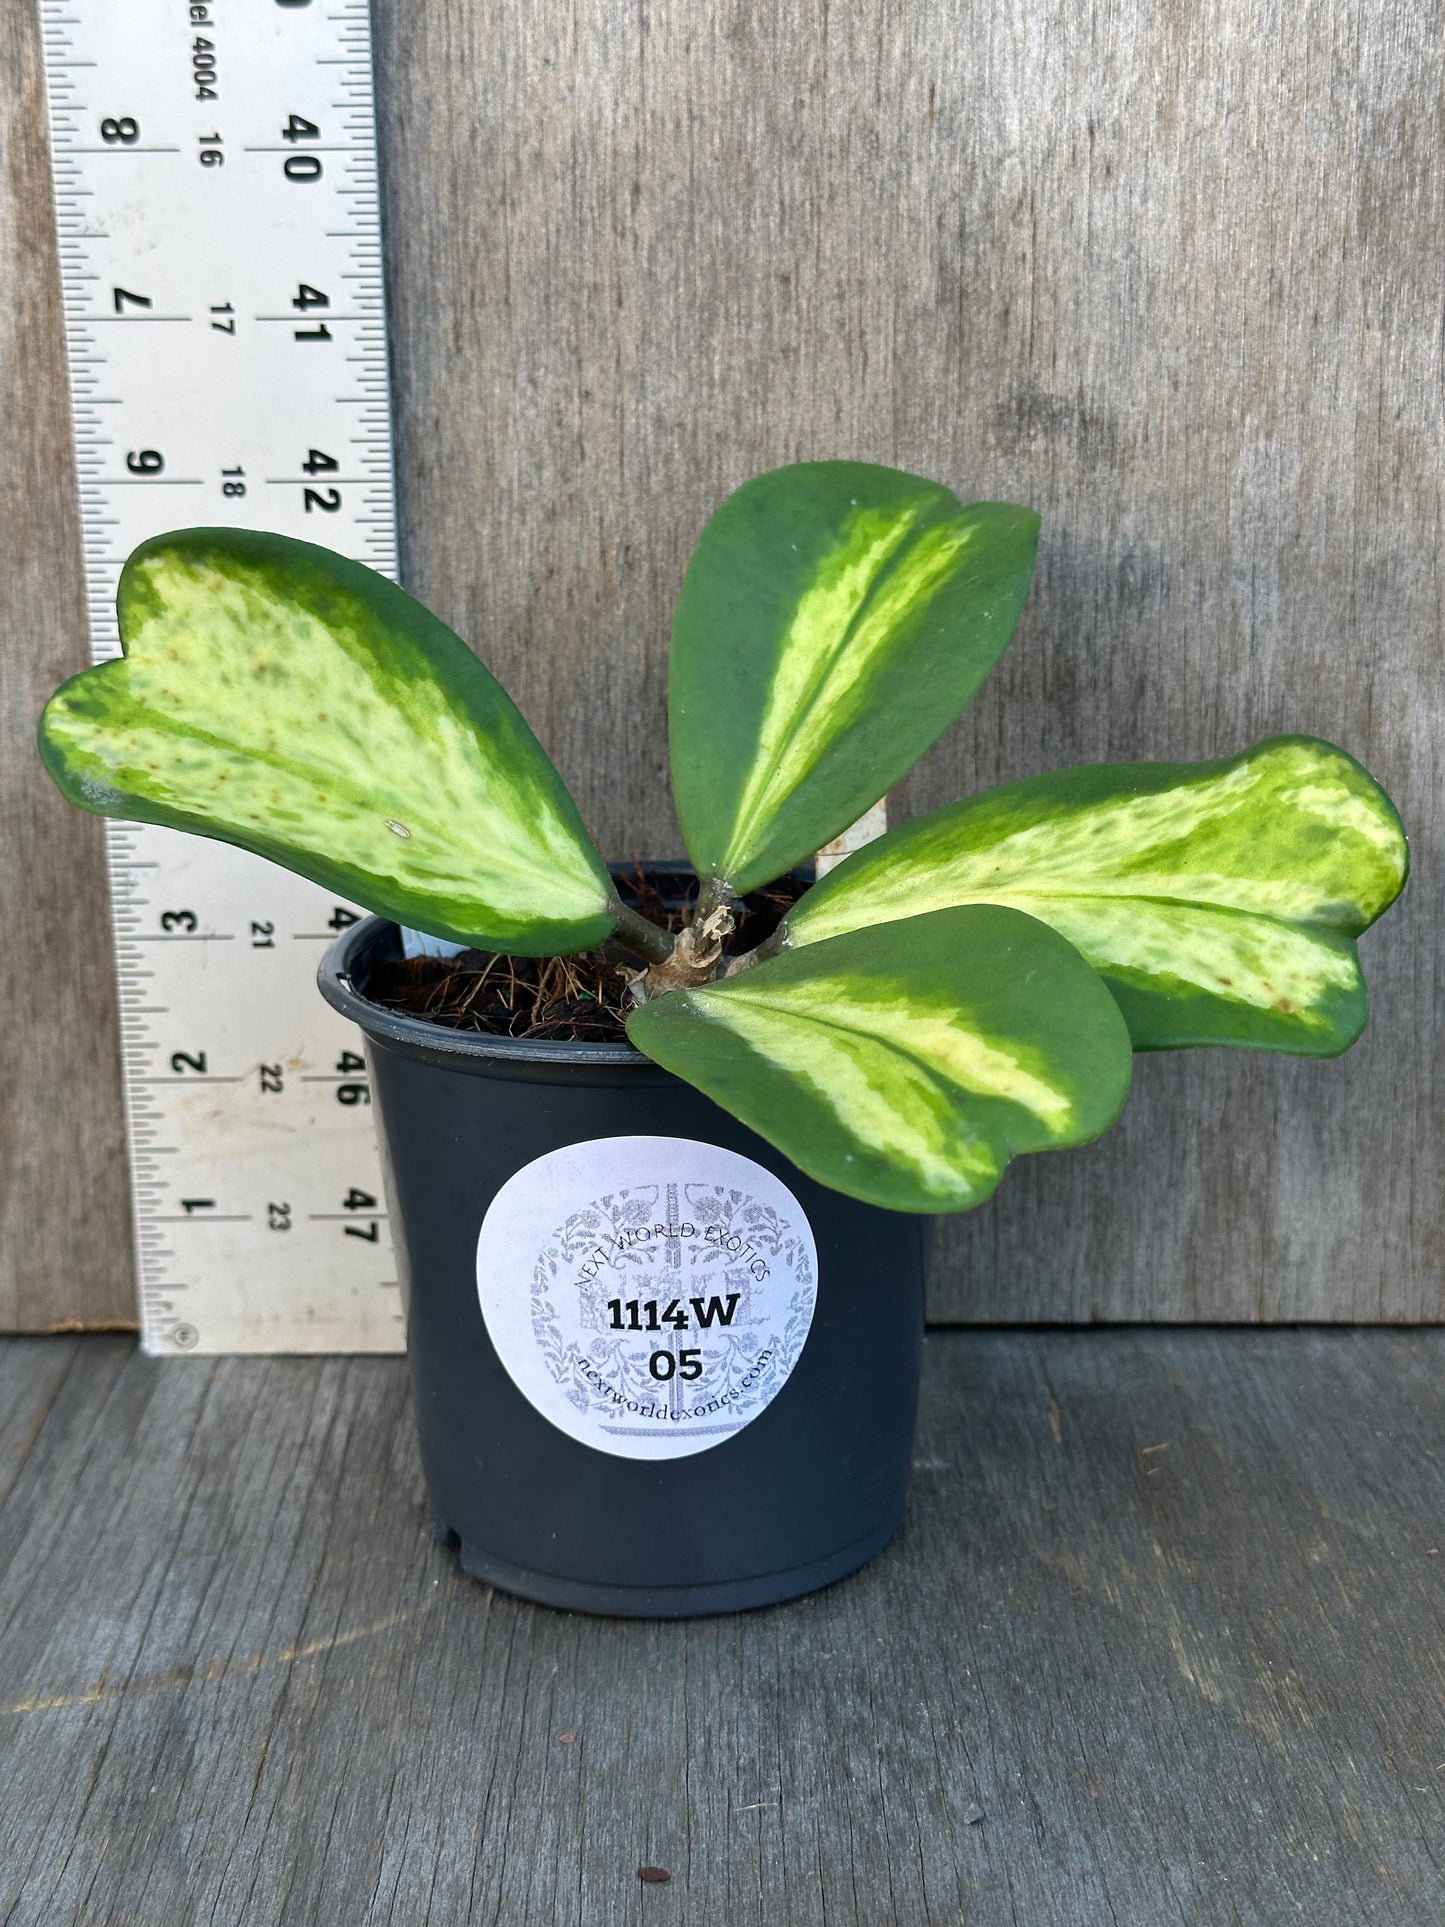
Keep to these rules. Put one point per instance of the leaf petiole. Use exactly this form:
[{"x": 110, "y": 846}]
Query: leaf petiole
[{"x": 639, "y": 935}]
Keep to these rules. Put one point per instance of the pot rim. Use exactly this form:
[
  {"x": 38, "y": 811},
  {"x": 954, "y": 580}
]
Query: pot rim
[{"x": 336, "y": 982}]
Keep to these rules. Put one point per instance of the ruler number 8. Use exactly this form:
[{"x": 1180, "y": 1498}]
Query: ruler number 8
[{"x": 124, "y": 129}]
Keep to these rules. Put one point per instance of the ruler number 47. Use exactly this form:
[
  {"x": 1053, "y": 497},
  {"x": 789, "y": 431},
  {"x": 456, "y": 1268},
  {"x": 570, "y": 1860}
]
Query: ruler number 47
[{"x": 358, "y": 1200}]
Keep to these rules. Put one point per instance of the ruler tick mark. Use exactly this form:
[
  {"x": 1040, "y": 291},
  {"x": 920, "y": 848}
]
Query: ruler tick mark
[
  {"x": 211, "y": 1217},
  {"x": 186, "y": 1080}
]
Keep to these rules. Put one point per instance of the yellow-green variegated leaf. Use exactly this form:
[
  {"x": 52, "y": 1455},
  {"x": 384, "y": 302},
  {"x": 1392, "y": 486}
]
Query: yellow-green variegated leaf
[
  {"x": 906, "y": 1065},
  {"x": 1219, "y": 901},
  {"x": 275, "y": 695},
  {"x": 834, "y": 620}
]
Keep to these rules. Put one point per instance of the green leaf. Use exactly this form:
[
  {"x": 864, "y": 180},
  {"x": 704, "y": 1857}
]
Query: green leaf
[
  {"x": 278, "y": 696},
  {"x": 1219, "y": 901},
  {"x": 834, "y": 620},
  {"x": 905, "y": 1065}
]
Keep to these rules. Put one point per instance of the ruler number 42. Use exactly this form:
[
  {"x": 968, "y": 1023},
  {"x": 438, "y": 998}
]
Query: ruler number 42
[{"x": 325, "y": 498}]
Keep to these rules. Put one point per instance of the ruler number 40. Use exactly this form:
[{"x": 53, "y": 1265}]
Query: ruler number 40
[{"x": 301, "y": 166}]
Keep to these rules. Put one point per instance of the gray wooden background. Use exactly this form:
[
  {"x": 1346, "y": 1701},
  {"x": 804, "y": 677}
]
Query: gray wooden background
[{"x": 1170, "y": 273}]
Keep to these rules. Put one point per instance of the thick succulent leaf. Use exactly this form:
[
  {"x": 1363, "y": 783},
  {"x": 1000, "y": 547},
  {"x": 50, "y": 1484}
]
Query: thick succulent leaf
[
  {"x": 905, "y": 1065},
  {"x": 834, "y": 620},
  {"x": 1219, "y": 901},
  {"x": 278, "y": 696}
]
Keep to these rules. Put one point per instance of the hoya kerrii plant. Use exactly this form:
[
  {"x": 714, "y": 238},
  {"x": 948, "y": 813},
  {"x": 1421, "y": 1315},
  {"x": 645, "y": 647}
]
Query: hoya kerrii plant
[{"x": 968, "y": 986}]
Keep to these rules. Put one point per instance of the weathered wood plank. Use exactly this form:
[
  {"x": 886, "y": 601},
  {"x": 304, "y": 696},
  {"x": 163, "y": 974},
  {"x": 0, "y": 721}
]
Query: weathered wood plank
[
  {"x": 65, "y": 1239},
  {"x": 1170, "y": 275},
  {"x": 1163, "y": 1639},
  {"x": 32, "y": 1377},
  {"x": 1098, "y": 260}
]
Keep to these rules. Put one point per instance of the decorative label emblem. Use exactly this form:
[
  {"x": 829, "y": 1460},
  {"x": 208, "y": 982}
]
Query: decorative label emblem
[{"x": 649, "y": 1295}]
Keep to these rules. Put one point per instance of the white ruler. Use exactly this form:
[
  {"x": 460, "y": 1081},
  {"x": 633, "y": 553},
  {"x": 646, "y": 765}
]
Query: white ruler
[{"x": 216, "y": 200}]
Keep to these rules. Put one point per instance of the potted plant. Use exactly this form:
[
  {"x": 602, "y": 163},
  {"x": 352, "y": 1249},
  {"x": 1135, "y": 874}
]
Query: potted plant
[{"x": 665, "y": 1286}]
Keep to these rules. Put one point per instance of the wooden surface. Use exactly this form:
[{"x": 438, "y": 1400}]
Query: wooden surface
[
  {"x": 64, "y": 1208},
  {"x": 1170, "y": 274},
  {"x": 1163, "y": 1639}
]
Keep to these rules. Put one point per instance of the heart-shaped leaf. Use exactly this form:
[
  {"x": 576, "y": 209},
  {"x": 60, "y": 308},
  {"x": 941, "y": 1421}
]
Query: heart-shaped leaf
[
  {"x": 834, "y": 620},
  {"x": 1219, "y": 901},
  {"x": 905, "y": 1065},
  {"x": 278, "y": 696}
]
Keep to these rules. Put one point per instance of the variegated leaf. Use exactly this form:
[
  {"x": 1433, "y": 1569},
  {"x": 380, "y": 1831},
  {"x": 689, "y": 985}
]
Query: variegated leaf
[
  {"x": 1220, "y": 901},
  {"x": 834, "y": 620},
  {"x": 275, "y": 695},
  {"x": 906, "y": 1065}
]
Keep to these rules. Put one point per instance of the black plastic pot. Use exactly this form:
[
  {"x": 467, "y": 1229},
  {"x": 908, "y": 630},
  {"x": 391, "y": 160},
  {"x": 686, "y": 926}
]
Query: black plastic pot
[{"x": 785, "y": 1439}]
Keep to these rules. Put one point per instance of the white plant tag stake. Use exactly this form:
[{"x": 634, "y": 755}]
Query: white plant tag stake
[{"x": 870, "y": 826}]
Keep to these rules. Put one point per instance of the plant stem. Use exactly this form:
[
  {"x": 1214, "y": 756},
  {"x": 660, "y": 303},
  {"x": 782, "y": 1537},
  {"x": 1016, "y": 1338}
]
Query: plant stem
[
  {"x": 771, "y": 946},
  {"x": 641, "y": 936},
  {"x": 714, "y": 895}
]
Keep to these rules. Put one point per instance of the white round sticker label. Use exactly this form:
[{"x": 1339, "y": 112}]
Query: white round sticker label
[{"x": 649, "y": 1295}]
